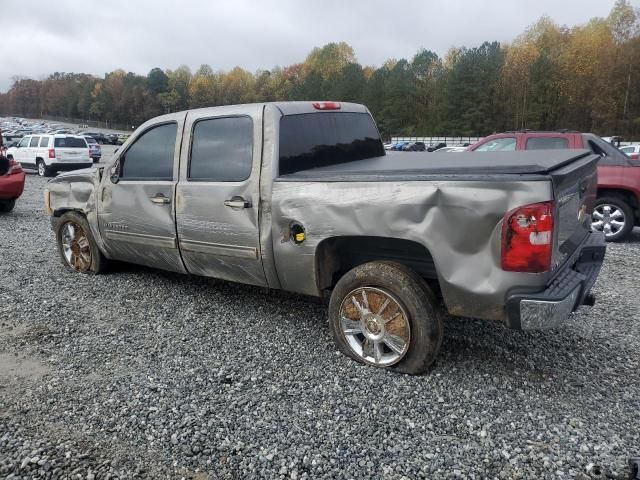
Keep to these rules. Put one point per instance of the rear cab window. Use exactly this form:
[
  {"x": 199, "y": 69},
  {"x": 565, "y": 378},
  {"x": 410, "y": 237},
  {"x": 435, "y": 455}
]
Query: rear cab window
[
  {"x": 312, "y": 140},
  {"x": 69, "y": 142}
]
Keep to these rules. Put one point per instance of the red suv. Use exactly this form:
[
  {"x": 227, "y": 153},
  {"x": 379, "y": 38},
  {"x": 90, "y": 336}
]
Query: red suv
[
  {"x": 11, "y": 182},
  {"x": 617, "y": 207}
]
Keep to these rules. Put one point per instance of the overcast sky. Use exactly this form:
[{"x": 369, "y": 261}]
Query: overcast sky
[{"x": 40, "y": 37}]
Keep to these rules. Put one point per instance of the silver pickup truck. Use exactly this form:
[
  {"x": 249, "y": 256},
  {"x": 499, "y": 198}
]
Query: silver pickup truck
[{"x": 300, "y": 196}]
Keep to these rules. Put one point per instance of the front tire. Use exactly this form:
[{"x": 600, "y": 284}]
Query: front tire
[
  {"x": 6, "y": 206},
  {"x": 43, "y": 170},
  {"x": 76, "y": 245},
  {"x": 613, "y": 216},
  {"x": 383, "y": 314}
]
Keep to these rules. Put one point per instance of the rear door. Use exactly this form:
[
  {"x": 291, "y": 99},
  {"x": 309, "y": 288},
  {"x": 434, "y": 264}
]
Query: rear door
[
  {"x": 31, "y": 151},
  {"x": 217, "y": 207},
  {"x": 136, "y": 200}
]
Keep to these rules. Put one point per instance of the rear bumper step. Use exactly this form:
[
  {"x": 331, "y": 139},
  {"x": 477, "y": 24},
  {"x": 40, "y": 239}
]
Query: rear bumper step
[{"x": 569, "y": 289}]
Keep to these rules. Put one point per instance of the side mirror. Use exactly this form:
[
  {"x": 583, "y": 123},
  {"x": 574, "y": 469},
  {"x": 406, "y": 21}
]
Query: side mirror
[{"x": 115, "y": 172}]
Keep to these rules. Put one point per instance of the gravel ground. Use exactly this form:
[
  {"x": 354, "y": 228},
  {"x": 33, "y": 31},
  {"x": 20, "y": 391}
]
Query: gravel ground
[{"x": 145, "y": 374}]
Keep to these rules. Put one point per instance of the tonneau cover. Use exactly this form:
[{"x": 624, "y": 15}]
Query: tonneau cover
[{"x": 421, "y": 164}]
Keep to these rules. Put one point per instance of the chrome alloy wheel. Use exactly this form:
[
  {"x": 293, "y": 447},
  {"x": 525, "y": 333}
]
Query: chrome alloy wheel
[
  {"x": 75, "y": 247},
  {"x": 609, "y": 219},
  {"x": 42, "y": 168},
  {"x": 375, "y": 326}
]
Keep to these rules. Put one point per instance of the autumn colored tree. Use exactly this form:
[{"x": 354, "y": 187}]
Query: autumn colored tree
[{"x": 585, "y": 77}]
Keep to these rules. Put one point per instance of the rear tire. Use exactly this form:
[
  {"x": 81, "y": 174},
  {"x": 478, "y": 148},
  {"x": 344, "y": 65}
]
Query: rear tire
[
  {"x": 383, "y": 314},
  {"x": 76, "y": 245},
  {"x": 6, "y": 206},
  {"x": 613, "y": 216}
]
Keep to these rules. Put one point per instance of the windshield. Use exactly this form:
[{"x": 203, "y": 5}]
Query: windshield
[{"x": 313, "y": 140}]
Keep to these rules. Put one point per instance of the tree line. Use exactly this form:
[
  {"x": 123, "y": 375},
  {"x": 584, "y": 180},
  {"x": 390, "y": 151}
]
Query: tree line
[{"x": 585, "y": 78}]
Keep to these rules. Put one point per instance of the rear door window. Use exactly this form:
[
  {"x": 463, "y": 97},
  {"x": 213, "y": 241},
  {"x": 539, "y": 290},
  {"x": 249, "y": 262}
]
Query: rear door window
[
  {"x": 70, "y": 142},
  {"x": 34, "y": 141},
  {"x": 150, "y": 157},
  {"x": 506, "y": 144},
  {"x": 222, "y": 150},
  {"x": 546, "y": 143},
  {"x": 313, "y": 140},
  {"x": 44, "y": 142}
]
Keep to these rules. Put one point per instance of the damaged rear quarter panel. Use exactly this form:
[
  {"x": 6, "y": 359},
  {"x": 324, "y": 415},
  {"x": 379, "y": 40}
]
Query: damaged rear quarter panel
[{"x": 459, "y": 222}]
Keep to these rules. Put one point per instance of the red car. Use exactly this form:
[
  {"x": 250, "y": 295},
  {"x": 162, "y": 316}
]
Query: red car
[
  {"x": 11, "y": 183},
  {"x": 617, "y": 208}
]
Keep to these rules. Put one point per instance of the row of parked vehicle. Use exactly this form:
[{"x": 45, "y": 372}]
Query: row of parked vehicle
[
  {"x": 16, "y": 128},
  {"x": 616, "y": 212},
  {"x": 422, "y": 147}
]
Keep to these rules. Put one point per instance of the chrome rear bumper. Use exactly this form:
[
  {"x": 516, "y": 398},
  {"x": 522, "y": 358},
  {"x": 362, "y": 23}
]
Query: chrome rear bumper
[{"x": 564, "y": 294}]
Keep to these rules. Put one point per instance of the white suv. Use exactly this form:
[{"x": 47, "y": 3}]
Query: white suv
[{"x": 52, "y": 153}]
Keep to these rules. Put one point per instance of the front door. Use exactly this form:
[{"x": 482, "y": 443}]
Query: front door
[
  {"x": 136, "y": 213},
  {"x": 21, "y": 153},
  {"x": 217, "y": 204}
]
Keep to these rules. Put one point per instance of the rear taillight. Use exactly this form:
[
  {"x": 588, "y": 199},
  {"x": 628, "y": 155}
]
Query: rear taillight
[
  {"x": 635, "y": 156},
  {"x": 527, "y": 238},
  {"x": 14, "y": 167},
  {"x": 52, "y": 153},
  {"x": 326, "y": 105}
]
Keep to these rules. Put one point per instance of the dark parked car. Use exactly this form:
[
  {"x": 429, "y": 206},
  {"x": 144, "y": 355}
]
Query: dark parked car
[
  {"x": 113, "y": 139},
  {"x": 101, "y": 138},
  {"x": 414, "y": 147},
  {"x": 438, "y": 146}
]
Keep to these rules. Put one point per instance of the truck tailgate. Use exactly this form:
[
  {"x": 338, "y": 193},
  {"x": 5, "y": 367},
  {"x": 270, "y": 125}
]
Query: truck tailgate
[{"x": 575, "y": 188}]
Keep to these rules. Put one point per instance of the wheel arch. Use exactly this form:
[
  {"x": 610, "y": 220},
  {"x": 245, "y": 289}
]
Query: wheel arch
[
  {"x": 626, "y": 195},
  {"x": 61, "y": 211},
  {"x": 337, "y": 255}
]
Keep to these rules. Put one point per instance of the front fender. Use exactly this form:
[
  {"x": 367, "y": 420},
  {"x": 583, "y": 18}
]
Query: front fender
[{"x": 76, "y": 191}]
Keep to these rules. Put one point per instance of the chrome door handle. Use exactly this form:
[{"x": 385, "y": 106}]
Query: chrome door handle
[
  {"x": 237, "y": 202},
  {"x": 160, "y": 199}
]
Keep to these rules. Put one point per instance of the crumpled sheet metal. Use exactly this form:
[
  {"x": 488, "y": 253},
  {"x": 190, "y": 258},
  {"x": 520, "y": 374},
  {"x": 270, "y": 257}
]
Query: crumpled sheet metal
[{"x": 459, "y": 222}]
